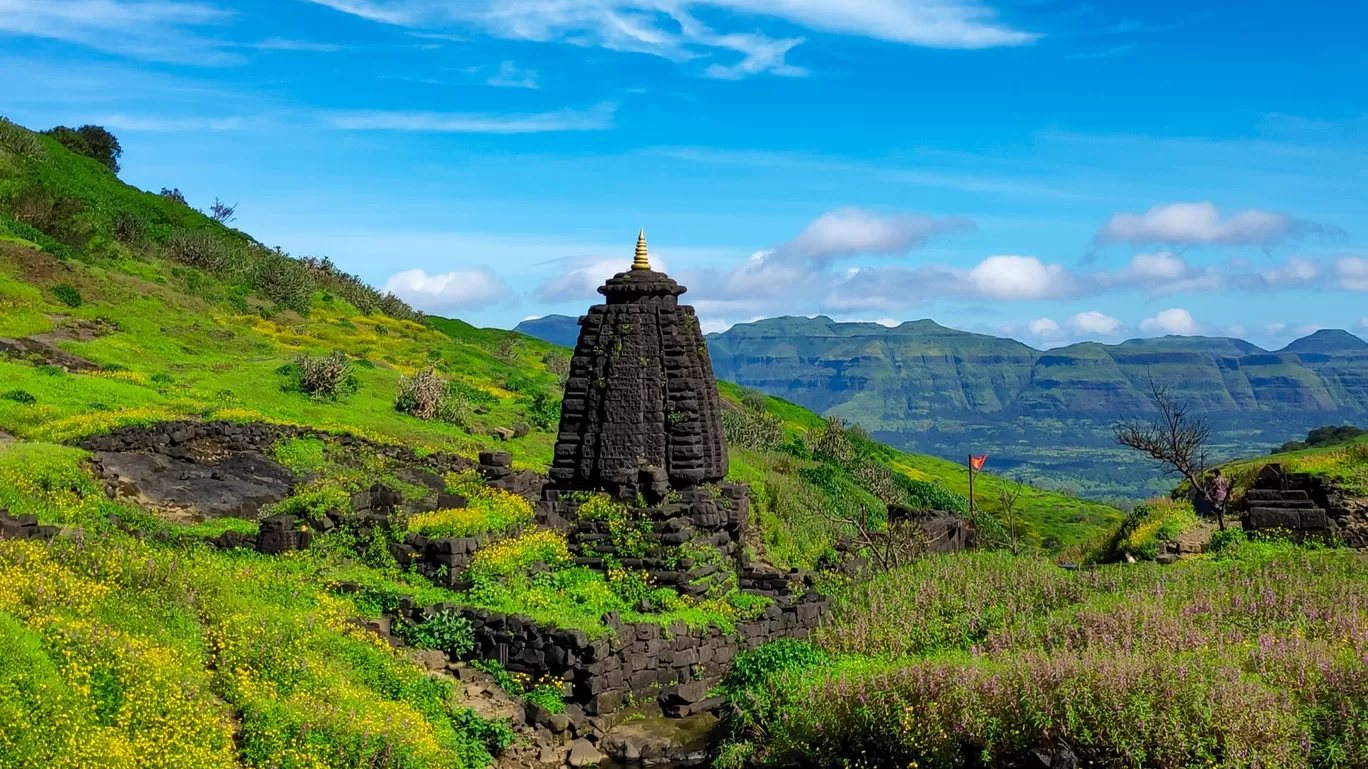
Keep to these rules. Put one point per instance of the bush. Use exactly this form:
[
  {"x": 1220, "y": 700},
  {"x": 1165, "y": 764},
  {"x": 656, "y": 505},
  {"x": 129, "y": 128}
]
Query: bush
[
  {"x": 19, "y": 140},
  {"x": 924, "y": 495},
  {"x": 20, "y": 396},
  {"x": 423, "y": 395},
  {"x": 757, "y": 431},
  {"x": 325, "y": 377},
  {"x": 446, "y": 630},
  {"x": 285, "y": 281},
  {"x": 129, "y": 228},
  {"x": 174, "y": 195},
  {"x": 753, "y": 399},
  {"x": 759, "y": 665},
  {"x": 544, "y": 411},
  {"x": 67, "y": 295},
  {"x": 203, "y": 250},
  {"x": 559, "y": 364}
]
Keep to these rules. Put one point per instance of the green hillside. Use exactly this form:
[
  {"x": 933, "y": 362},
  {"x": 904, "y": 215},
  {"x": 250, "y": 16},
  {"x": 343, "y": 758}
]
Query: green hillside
[{"x": 1045, "y": 415}]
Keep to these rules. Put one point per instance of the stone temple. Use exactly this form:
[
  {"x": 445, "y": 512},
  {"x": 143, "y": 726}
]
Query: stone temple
[{"x": 641, "y": 412}]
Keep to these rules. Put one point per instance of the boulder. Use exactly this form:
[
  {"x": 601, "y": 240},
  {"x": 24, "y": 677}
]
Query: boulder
[{"x": 583, "y": 753}]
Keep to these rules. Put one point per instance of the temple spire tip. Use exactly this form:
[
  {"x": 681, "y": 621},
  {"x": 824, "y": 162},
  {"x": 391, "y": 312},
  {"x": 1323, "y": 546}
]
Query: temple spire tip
[{"x": 641, "y": 262}]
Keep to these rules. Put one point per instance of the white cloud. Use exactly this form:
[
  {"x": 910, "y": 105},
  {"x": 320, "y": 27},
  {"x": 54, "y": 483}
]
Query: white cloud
[
  {"x": 598, "y": 118},
  {"x": 1043, "y": 327},
  {"x": 145, "y": 29},
  {"x": 1202, "y": 223},
  {"x": 1019, "y": 277},
  {"x": 509, "y": 76},
  {"x": 1093, "y": 323},
  {"x": 1352, "y": 272},
  {"x": 448, "y": 291},
  {"x": 669, "y": 28},
  {"x": 847, "y": 231},
  {"x": 1171, "y": 321},
  {"x": 583, "y": 276},
  {"x": 801, "y": 268}
]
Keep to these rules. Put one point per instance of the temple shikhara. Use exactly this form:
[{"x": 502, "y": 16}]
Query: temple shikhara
[{"x": 641, "y": 413}]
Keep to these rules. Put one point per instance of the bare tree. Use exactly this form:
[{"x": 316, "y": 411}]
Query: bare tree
[
  {"x": 222, "y": 212},
  {"x": 1177, "y": 439},
  {"x": 1009, "y": 500},
  {"x": 896, "y": 545}
]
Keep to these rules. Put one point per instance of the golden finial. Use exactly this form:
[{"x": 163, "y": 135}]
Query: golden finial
[{"x": 640, "y": 262}]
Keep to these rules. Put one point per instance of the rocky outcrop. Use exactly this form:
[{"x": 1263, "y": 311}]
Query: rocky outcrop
[{"x": 233, "y": 486}]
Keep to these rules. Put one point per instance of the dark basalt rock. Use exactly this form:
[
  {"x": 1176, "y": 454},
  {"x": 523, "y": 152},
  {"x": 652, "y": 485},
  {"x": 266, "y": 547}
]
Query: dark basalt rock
[
  {"x": 641, "y": 409},
  {"x": 236, "y": 486}
]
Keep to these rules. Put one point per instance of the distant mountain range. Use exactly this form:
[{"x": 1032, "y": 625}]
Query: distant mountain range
[{"x": 1043, "y": 414}]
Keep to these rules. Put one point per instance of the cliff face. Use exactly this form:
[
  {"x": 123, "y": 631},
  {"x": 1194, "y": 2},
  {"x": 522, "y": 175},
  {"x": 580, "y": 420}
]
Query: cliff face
[
  {"x": 921, "y": 369},
  {"x": 1046, "y": 414}
]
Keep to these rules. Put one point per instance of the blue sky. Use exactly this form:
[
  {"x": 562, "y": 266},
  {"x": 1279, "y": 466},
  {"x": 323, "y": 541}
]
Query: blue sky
[{"x": 1053, "y": 171}]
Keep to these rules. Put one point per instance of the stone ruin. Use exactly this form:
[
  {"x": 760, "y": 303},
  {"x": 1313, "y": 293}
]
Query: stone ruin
[{"x": 1302, "y": 507}]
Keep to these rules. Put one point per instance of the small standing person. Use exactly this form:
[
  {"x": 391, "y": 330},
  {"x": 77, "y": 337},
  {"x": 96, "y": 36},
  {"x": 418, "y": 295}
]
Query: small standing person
[{"x": 1220, "y": 490}]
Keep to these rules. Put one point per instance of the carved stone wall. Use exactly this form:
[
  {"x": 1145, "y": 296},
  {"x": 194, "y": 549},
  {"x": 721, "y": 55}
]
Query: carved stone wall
[{"x": 640, "y": 394}]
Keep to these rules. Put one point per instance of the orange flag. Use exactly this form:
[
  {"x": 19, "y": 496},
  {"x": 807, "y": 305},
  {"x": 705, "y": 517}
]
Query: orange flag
[{"x": 977, "y": 462}]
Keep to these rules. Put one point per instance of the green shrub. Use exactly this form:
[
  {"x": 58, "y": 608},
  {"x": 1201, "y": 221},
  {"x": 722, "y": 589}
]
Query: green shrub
[
  {"x": 67, "y": 295},
  {"x": 203, "y": 250},
  {"x": 544, "y": 410},
  {"x": 924, "y": 495},
  {"x": 753, "y": 430},
  {"x": 19, "y": 140},
  {"x": 759, "y": 665},
  {"x": 446, "y": 630},
  {"x": 129, "y": 228},
  {"x": 323, "y": 377},
  {"x": 423, "y": 395},
  {"x": 284, "y": 281},
  {"x": 753, "y": 399},
  {"x": 20, "y": 396}
]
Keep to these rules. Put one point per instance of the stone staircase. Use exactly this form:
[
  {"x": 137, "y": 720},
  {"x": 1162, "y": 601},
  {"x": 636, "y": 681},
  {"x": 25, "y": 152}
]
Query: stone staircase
[{"x": 1292, "y": 503}]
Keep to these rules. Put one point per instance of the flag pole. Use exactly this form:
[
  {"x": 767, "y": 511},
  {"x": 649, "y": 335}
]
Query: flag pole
[{"x": 971, "y": 488}]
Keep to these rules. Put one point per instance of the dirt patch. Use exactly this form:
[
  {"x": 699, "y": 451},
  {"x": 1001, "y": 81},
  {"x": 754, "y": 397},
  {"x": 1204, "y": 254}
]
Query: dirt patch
[
  {"x": 35, "y": 267},
  {"x": 75, "y": 330}
]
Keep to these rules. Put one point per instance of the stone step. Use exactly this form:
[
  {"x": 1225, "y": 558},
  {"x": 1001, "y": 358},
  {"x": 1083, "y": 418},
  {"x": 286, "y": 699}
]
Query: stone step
[
  {"x": 1263, "y": 495},
  {"x": 1284, "y": 504},
  {"x": 1286, "y": 518}
]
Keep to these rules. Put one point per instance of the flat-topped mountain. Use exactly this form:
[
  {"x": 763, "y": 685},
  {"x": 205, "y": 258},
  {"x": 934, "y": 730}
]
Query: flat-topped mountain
[{"x": 922, "y": 385}]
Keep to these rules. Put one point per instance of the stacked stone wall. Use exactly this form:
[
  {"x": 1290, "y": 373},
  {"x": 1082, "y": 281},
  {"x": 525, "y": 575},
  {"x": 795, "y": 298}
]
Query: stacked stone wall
[{"x": 675, "y": 664}]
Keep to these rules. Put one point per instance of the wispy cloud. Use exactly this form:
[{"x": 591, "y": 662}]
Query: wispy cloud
[
  {"x": 597, "y": 118},
  {"x": 156, "y": 30},
  {"x": 170, "y": 124},
  {"x": 509, "y": 76},
  {"x": 670, "y": 29},
  {"x": 1106, "y": 53},
  {"x": 282, "y": 44}
]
